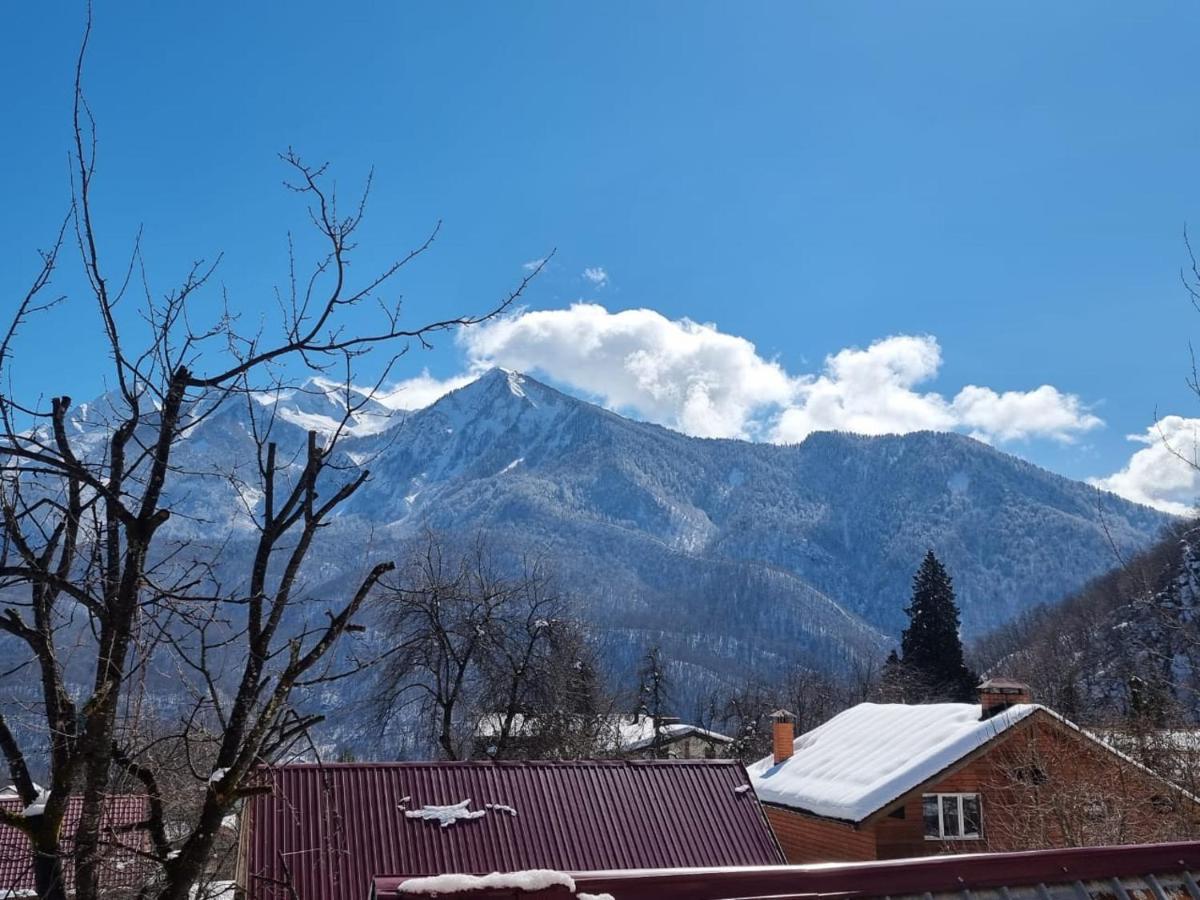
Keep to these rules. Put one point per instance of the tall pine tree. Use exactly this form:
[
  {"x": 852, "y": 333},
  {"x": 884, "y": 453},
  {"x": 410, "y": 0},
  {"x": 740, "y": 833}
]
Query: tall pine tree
[{"x": 932, "y": 653}]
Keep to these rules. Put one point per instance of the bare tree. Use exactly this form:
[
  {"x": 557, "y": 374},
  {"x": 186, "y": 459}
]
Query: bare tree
[
  {"x": 654, "y": 694},
  {"x": 94, "y": 591},
  {"x": 1049, "y": 788},
  {"x": 481, "y": 652},
  {"x": 744, "y": 711}
]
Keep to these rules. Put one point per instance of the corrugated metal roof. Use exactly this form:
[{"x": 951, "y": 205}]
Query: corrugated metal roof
[
  {"x": 1158, "y": 871},
  {"x": 122, "y": 867},
  {"x": 330, "y": 829}
]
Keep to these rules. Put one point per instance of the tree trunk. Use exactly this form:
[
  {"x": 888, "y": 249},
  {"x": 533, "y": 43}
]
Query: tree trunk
[{"x": 48, "y": 871}]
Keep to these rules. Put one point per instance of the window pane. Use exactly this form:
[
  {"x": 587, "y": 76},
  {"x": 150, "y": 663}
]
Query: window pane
[
  {"x": 929, "y": 806},
  {"x": 971, "y": 816},
  {"x": 950, "y": 817}
]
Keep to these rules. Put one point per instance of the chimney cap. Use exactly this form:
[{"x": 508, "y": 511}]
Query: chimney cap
[
  {"x": 782, "y": 715},
  {"x": 1001, "y": 685}
]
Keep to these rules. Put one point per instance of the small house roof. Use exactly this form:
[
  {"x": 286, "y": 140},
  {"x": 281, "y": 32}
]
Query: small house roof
[
  {"x": 331, "y": 828},
  {"x": 873, "y": 753},
  {"x": 122, "y": 864}
]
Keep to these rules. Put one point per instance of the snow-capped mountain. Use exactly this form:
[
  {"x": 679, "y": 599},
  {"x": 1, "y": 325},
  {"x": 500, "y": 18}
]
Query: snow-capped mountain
[{"x": 731, "y": 553}]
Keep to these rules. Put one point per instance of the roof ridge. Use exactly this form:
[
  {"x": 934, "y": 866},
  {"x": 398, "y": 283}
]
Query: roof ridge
[{"x": 498, "y": 763}]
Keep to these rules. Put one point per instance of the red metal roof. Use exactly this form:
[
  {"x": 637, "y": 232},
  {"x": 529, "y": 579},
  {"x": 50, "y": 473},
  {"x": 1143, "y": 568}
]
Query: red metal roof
[
  {"x": 122, "y": 867},
  {"x": 1159, "y": 870},
  {"x": 332, "y": 828}
]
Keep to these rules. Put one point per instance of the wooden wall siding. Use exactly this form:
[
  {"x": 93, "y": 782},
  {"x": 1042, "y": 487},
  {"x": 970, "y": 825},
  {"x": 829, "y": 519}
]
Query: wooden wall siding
[
  {"x": 807, "y": 839},
  {"x": 1083, "y": 796}
]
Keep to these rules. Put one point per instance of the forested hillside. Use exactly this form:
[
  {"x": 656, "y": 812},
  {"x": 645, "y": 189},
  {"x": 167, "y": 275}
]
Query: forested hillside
[{"x": 1125, "y": 645}]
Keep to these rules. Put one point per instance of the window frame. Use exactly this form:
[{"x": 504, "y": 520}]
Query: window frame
[{"x": 962, "y": 820}]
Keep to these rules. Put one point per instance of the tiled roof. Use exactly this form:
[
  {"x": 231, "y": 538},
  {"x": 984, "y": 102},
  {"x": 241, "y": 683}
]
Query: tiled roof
[
  {"x": 122, "y": 867},
  {"x": 330, "y": 829},
  {"x": 1159, "y": 871}
]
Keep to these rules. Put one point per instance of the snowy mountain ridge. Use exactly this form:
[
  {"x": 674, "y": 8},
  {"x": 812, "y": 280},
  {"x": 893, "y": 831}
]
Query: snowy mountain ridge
[{"x": 732, "y": 554}]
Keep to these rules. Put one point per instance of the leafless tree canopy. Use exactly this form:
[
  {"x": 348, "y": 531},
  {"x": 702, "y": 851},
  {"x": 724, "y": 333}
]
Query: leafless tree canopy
[
  {"x": 1047, "y": 790},
  {"x": 94, "y": 592},
  {"x": 487, "y": 661}
]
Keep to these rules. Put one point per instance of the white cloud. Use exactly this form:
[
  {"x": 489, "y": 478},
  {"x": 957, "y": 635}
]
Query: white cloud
[
  {"x": 697, "y": 379},
  {"x": 1165, "y": 473},
  {"x": 679, "y": 373},
  {"x": 534, "y": 264},
  {"x": 421, "y": 391},
  {"x": 596, "y": 275},
  {"x": 1020, "y": 415},
  {"x": 870, "y": 392}
]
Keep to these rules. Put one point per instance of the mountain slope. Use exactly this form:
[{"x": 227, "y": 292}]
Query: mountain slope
[
  {"x": 737, "y": 556},
  {"x": 850, "y": 516},
  {"x": 1126, "y": 643}
]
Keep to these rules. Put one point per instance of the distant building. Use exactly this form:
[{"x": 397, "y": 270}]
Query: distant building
[
  {"x": 628, "y": 735},
  {"x": 881, "y": 781},
  {"x": 326, "y": 832}
]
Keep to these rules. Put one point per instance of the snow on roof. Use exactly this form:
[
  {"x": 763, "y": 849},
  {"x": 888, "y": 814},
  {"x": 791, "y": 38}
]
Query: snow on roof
[
  {"x": 526, "y": 881},
  {"x": 640, "y": 734},
  {"x": 617, "y": 733},
  {"x": 873, "y": 753}
]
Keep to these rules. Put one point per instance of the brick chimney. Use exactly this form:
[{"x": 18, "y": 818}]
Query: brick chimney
[
  {"x": 783, "y": 734},
  {"x": 998, "y": 694}
]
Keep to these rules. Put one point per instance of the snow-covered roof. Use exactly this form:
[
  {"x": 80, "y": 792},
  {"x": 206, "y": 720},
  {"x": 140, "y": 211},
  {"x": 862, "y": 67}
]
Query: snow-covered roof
[
  {"x": 873, "y": 753},
  {"x": 640, "y": 734},
  {"x": 617, "y": 733}
]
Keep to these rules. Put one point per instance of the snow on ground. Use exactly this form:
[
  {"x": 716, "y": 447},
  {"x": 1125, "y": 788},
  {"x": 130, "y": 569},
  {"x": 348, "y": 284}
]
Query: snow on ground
[
  {"x": 516, "y": 382},
  {"x": 530, "y": 880},
  {"x": 214, "y": 890},
  {"x": 446, "y": 815},
  {"x": 869, "y": 755}
]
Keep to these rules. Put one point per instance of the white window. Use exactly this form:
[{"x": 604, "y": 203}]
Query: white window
[{"x": 951, "y": 817}]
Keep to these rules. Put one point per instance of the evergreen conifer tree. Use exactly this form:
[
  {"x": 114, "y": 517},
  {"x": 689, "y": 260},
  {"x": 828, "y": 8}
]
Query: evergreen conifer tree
[{"x": 931, "y": 648}]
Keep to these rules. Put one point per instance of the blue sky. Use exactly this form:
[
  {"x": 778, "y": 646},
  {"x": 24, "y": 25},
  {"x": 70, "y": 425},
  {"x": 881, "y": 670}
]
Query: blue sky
[{"x": 1008, "y": 180}]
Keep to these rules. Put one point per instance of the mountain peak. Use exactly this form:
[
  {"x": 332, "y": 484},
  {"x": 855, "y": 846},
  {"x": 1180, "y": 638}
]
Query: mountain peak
[
  {"x": 500, "y": 388},
  {"x": 510, "y": 378}
]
